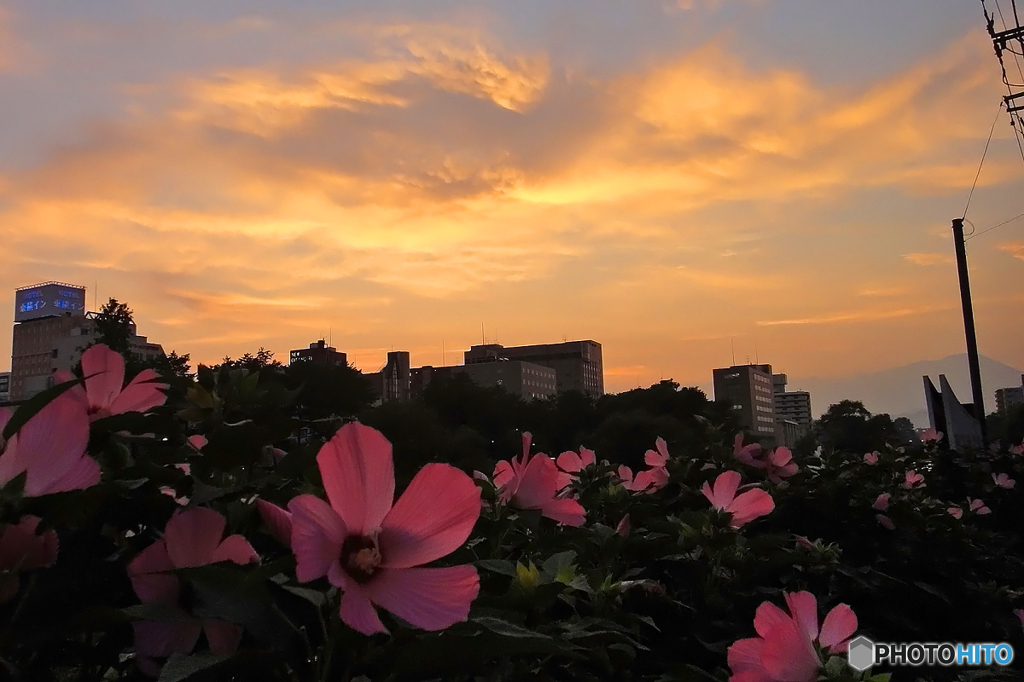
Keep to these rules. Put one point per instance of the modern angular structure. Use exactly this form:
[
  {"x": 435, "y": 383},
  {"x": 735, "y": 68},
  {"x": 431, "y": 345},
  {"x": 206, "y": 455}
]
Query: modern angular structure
[
  {"x": 946, "y": 414},
  {"x": 578, "y": 364}
]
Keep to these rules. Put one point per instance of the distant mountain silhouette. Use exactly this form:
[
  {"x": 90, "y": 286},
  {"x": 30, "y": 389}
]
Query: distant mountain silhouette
[{"x": 899, "y": 391}]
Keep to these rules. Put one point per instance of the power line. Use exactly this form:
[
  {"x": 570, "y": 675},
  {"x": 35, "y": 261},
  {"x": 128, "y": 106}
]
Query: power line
[
  {"x": 989, "y": 229},
  {"x": 983, "y": 155}
]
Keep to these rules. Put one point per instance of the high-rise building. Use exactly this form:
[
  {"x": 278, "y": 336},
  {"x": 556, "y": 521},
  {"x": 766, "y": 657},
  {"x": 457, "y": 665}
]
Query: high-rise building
[
  {"x": 750, "y": 390},
  {"x": 5, "y": 387},
  {"x": 319, "y": 353},
  {"x": 50, "y": 332},
  {"x": 525, "y": 379},
  {"x": 396, "y": 378},
  {"x": 578, "y": 365},
  {"x": 1009, "y": 398},
  {"x": 791, "y": 406}
]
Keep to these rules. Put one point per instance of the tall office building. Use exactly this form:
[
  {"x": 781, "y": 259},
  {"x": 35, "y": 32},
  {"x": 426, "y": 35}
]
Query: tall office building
[
  {"x": 794, "y": 406},
  {"x": 1009, "y": 398},
  {"x": 5, "y": 387},
  {"x": 51, "y": 329},
  {"x": 319, "y": 353},
  {"x": 749, "y": 388},
  {"x": 578, "y": 365}
]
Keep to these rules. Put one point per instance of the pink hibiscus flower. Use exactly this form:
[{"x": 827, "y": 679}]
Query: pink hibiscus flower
[
  {"x": 534, "y": 482},
  {"x": 197, "y": 442},
  {"x": 978, "y": 507},
  {"x": 571, "y": 464},
  {"x": 748, "y": 454},
  {"x": 930, "y": 435},
  {"x": 881, "y": 502},
  {"x": 1003, "y": 480},
  {"x": 784, "y": 650},
  {"x": 871, "y": 458},
  {"x": 623, "y": 526},
  {"x": 804, "y": 542},
  {"x": 372, "y": 547},
  {"x": 885, "y": 521},
  {"x": 744, "y": 508},
  {"x": 277, "y": 520},
  {"x": 647, "y": 481},
  {"x": 913, "y": 479},
  {"x": 103, "y": 370},
  {"x": 22, "y": 549},
  {"x": 50, "y": 448},
  {"x": 505, "y": 471},
  {"x": 779, "y": 465},
  {"x": 192, "y": 538},
  {"x": 1017, "y": 449},
  {"x": 955, "y": 511},
  {"x": 657, "y": 458}
]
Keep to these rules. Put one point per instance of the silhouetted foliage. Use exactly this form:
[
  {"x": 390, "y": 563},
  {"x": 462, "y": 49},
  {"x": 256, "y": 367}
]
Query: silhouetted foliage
[{"x": 114, "y": 325}]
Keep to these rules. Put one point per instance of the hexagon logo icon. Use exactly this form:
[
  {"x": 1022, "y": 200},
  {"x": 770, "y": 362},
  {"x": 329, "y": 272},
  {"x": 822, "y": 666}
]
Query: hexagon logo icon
[{"x": 861, "y": 653}]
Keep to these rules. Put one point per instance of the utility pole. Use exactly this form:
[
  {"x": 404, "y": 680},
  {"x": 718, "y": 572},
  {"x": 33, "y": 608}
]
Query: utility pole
[{"x": 972, "y": 337}]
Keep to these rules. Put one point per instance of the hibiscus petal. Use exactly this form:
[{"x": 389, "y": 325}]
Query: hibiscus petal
[
  {"x": 539, "y": 483},
  {"x": 625, "y": 474},
  {"x": 222, "y": 636},
  {"x": 839, "y": 626},
  {"x": 359, "y": 476},
  {"x": 569, "y": 461},
  {"x": 83, "y": 474},
  {"x": 141, "y": 395},
  {"x": 787, "y": 655},
  {"x": 236, "y": 548},
  {"x": 277, "y": 520},
  {"x": 357, "y": 611},
  {"x": 193, "y": 535},
  {"x": 750, "y": 505},
  {"x": 103, "y": 370},
  {"x": 163, "y": 638},
  {"x": 767, "y": 617},
  {"x": 745, "y": 654},
  {"x": 587, "y": 456},
  {"x": 317, "y": 535},
  {"x": 502, "y": 474},
  {"x": 428, "y": 598},
  {"x": 724, "y": 490},
  {"x": 146, "y": 573},
  {"x": 564, "y": 510},
  {"x": 50, "y": 444},
  {"x": 432, "y": 518},
  {"x": 804, "y": 608}
]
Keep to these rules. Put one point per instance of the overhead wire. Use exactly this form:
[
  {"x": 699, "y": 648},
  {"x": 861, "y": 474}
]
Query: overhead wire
[
  {"x": 989, "y": 229},
  {"x": 983, "y": 155}
]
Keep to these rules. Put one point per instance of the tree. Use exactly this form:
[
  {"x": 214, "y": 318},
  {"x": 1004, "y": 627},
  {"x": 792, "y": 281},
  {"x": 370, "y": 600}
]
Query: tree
[
  {"x": 263, "y": 359},
  {"x": 114, "y": 326},
  {"x": 172, "y": 364},
  {"x": 848, "y": 426}
]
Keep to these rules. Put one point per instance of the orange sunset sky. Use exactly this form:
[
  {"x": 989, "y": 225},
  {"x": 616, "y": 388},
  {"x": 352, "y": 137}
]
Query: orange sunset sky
[{"x": 666, "y": 178}]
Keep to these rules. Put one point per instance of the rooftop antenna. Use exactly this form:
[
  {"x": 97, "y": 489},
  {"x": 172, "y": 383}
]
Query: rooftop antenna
[
  {"x": 483, "y": 339},
  {"x": 732, "y": 343},
  {"x": 444, "y": 360},
  {"x": 756, "y": 358}
]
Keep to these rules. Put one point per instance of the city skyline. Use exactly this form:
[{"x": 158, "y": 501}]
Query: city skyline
[{"x": 673, "y": 180}]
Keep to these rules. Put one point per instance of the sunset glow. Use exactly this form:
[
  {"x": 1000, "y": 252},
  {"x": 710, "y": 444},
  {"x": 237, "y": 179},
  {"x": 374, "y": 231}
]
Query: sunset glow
[{"x": 672, "y": 180}]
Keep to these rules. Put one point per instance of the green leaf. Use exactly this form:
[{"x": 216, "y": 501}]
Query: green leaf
[
  {"x": 180, "y": 667},
  {"x": 835, "y": 665},
  {"x": 498, "y": 566},
  {"x": 506, "y": 629}
]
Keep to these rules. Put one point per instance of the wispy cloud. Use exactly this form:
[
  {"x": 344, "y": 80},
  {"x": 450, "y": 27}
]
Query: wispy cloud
[{"x": 928, "y": 258}]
